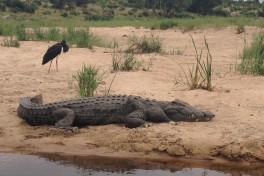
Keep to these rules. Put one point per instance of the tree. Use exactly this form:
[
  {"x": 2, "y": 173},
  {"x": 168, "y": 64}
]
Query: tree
[
  {"x": 169, "y": 7},
  {"x": 81, "y": 2},
  {"x": 203, "y": 6},
  {"x": 58, "y": 4}
]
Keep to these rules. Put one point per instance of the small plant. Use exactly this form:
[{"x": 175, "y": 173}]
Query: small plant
[
  {"x": 88, "y": 79},
  {"x": 177, "y": 51},
  {"x": 145, "y": 44},
  {"x": 253, "y": 56},
  {"x": 124, "y": 62},
  {"x": 200, "y": 76},
  {"x": 10, "y": 42},
  {"x": 83, "y": 39}
]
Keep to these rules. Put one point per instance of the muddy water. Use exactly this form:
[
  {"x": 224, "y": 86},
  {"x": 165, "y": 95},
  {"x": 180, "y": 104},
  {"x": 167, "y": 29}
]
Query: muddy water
[{"x": 32, "y": 165}]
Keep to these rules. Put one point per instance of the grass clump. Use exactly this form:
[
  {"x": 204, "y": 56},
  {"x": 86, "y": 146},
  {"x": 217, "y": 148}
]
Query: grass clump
[
  {"x": 10, "y": 42},
  {"x": 200, "y": 76},
  {"x": 167, "y": 24},
  {"x": 124, "y": 62},
  {"x": 88, "y": 79},
  {"x": 82, "y": 38},
  {"x": 146, "y": 44},
  {"x": 21, "y": 33},
  {"x": 253, "y": 56}
]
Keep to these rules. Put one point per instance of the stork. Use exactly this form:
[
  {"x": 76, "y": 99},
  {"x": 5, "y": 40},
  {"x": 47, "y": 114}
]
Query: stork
[{"x": 55, "y": 51}]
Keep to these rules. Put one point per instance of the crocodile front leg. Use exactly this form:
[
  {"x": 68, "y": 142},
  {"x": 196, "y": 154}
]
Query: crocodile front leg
[
  {"x": 66, "y": 118},
  {"x": 135, "y": 119}
]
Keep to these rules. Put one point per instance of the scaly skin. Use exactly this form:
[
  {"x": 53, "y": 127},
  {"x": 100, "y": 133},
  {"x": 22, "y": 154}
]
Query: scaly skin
[{"x": 133, "y": 111}]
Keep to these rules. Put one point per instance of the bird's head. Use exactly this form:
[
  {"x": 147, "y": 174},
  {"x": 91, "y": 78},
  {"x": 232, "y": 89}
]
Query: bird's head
[
  {"x": 63, "y": 42},
  {"x": 65, "y": 46}
]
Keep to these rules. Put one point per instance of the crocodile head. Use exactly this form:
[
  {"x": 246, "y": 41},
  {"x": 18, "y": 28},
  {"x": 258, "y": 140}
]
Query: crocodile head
[{"x": 181, "y": 111}]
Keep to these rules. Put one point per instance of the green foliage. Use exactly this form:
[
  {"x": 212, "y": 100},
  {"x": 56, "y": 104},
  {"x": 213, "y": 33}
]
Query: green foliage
[
  {"x": 21, "y": 33},
  {"x": 124, "y": 62},
  {"x": 88, "y": 79},
  {"x": 81, "y": 37},
  {"x": 253, "y": 56},
  {"x": 221, "y": 12},
  {"x": 64, "y": 14},
  {"x": 10, "y": 42},
  {"x": 95, "y": 17},
  {"x": 166, "y": 24},
  {"x": 20, "y": 6},
  {"x": 204, "y": 7},
  {"x": 54, "y": 34},
  {"x": 145, "y": 44},
  {"x": 7, "y": 29},
  {"x": 200, "y": 76}
]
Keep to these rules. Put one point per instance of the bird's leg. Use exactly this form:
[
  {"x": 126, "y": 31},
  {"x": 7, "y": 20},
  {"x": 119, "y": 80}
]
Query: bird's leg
[
  {"x": 57, "y": 63},
  {"x": 50, "y": 66}
]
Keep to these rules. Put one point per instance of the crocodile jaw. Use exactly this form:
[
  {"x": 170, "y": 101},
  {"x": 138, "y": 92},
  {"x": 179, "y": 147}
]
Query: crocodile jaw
[{"x": 188, "y": 114}]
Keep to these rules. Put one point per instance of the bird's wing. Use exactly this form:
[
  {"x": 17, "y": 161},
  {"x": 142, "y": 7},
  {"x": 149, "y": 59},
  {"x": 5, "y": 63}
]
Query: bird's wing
[{"x": 51, "y": 53}]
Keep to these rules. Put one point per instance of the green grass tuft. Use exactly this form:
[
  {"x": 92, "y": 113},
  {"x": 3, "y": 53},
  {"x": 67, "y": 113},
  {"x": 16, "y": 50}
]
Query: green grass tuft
[
  {"x": 200, "y": 76},
  {"x": 167, "y": 24},
  {"x": 146, "y": 44},
  {"x": 88, "y": 79},
  {"x": 253, "y": 56}
]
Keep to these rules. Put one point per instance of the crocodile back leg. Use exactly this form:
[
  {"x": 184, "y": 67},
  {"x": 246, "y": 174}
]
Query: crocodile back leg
[
  {"x": 65, "y": 118},
  {"x": 135, "y": 119}
]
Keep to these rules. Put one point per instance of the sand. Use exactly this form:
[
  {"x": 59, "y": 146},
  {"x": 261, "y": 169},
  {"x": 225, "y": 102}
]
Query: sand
[{"x": 236, "y": 133}]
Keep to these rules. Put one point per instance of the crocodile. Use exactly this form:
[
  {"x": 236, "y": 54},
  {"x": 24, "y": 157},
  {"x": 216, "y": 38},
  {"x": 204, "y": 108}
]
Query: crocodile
[{"x": 132, "y": 111}]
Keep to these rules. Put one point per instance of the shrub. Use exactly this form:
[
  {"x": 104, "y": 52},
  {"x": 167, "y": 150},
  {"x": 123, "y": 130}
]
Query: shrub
[
  {"x": 83, "y": 39},
  {"x": 54, "y": 34},
  {"x": 88, "y": 79},
  {"x": 221, "y": 12},
  {"x": 253, "y": 56},
  {"x": 10, "y": 42},
  {"x": 124, "y": 62},
  {"x": 64, "y": 14},
  {"x": 167, "y": 24},
  {"x": 145, "y": 13},
  {"x": 145, "y": 44},
  {"x": 21, "y": 33}
]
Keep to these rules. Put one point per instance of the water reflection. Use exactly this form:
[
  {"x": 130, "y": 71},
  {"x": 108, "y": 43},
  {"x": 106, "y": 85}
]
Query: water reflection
[{"x": 53, "y": 164}]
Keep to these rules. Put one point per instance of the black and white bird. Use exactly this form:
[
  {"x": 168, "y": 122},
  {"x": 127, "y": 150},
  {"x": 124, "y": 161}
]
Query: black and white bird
[{"x": 54, "y": 51}]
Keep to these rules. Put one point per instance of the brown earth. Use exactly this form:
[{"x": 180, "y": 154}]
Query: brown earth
[{"x": 236, "y": 133}]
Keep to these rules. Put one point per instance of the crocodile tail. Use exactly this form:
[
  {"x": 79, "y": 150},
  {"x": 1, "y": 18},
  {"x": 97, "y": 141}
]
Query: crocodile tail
[{"x": 31, "y": 110}]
